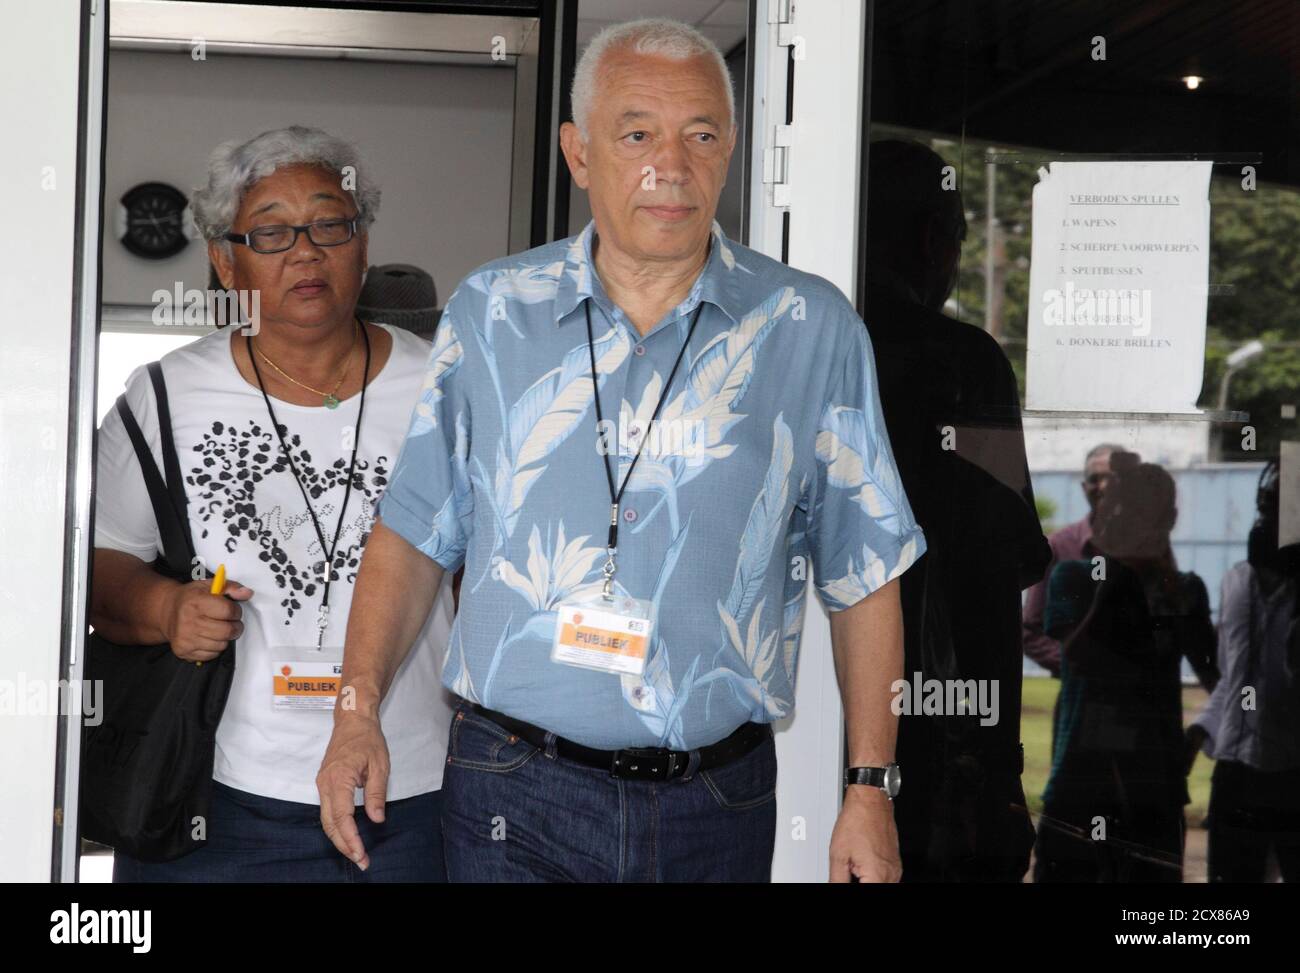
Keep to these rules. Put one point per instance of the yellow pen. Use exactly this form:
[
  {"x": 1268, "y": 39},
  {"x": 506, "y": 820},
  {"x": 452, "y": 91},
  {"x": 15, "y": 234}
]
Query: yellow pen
[
  {"x": 219, "y": 580},
  {"x": 218, "y": 586}
]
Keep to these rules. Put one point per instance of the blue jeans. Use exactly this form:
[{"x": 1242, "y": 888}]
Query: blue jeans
[
  {"x": 260, "y": 839},
  {"x": 514, "y": 813}
]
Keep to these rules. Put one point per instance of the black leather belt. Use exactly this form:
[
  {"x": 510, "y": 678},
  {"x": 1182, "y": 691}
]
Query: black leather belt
[{"x": 637, "y": 763}]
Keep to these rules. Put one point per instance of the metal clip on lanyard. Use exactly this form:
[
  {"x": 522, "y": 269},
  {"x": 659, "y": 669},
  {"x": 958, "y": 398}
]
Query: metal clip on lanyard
[
  {"x": 607, "y": 589},
  {"x": 611, "y": 545}
]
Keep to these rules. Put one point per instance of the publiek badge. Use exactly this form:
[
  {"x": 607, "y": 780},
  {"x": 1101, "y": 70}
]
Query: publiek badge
[
  {"x": 306, "y": 679},
  {"x": 608, "y": 636}
]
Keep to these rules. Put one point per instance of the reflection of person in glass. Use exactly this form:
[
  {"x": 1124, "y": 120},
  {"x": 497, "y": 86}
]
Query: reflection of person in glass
[
  {"x": 1126, "y": 616},
  {"x": 1067, "y": 545},
  {"x": 953, "y": 410},
  {"x": 1251, "y": 724}
]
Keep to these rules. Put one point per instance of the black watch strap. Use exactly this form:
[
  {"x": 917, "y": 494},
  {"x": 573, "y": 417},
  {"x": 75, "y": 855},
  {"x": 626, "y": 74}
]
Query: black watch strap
[
  {"x": 883, "y": 778},
  {"x": 871, "y": 776}
]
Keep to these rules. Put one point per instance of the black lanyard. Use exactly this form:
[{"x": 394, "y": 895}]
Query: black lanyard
[
  {"x": 322, "y": 618},
  {"x": 615, "y": 497}
]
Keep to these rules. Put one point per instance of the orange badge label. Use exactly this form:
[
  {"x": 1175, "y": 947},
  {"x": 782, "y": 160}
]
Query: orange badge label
[{"x": 306, "y": 685}]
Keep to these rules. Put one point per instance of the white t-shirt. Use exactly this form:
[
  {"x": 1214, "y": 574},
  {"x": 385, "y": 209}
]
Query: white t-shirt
[{"x": 247, "y": 512}]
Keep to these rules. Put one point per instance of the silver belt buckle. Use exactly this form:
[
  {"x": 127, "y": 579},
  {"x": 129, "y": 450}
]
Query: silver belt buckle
[{"x": 629, "y": 758}]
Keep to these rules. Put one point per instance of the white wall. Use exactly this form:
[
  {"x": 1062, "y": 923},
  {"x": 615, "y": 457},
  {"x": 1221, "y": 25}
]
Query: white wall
[
  {"x": 438, "y": 138},
  {"x": 1062, "y": 444}
]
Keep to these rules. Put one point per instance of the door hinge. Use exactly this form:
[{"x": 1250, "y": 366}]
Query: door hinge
[
  {"x": 776, "y": 164},
  {"x": 781, "y": 13}
]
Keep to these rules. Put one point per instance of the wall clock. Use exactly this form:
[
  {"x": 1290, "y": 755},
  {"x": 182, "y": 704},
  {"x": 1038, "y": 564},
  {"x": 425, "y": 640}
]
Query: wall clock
[{"x": 152, "y": 220}]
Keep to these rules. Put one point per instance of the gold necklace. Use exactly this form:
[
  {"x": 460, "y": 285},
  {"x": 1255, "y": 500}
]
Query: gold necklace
[{"x": 330, "y": 399}]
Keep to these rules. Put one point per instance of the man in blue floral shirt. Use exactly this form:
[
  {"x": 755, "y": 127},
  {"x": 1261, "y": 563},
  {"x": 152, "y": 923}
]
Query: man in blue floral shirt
[{"x": 639, "y": 442}]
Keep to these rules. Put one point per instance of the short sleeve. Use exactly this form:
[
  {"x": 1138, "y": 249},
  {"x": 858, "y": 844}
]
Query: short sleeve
[
  {"x": 428, "y": 501},
  {"x": 124, "y": 519},
  {"x": 862, "y": 533}
]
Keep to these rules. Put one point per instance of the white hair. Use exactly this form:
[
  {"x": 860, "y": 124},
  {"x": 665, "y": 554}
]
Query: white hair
[
  {"x": 235, "y": 166},
  {"x": 651, "y": 35}
]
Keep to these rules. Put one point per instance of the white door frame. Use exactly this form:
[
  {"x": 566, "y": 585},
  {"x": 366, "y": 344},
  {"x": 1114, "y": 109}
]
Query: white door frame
[
  {"x": 51, "y": 101},
  {"x": 47, "y": 380},
  {"x": 808, "y": 173}
]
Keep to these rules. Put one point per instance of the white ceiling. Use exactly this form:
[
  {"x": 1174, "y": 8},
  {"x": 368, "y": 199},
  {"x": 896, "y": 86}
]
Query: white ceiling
[
  {"x": 305, "y": 30},
  {"x": 723, "y": 21}
]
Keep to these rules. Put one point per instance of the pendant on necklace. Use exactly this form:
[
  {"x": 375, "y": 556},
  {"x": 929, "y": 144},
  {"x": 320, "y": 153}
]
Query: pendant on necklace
[{"x": 331, "y": 402}]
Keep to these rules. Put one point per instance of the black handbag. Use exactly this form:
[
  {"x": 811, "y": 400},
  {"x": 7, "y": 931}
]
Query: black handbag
[{"x": 146, "y": 768}]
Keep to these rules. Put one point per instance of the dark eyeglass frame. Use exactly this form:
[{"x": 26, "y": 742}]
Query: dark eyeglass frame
[{"x": 247, "y": 238}]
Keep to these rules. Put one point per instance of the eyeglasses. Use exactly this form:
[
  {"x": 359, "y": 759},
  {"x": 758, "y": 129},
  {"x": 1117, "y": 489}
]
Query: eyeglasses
[{"x": 277, "y": 238}]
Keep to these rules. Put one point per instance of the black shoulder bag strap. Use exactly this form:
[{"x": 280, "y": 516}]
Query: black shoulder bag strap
[
  {"x": 171, "y": 465},
  {"x": 166, "y": 496}
]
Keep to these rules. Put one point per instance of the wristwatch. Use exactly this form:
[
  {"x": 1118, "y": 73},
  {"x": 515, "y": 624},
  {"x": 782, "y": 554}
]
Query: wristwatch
[{"x": 888, "y": 779}]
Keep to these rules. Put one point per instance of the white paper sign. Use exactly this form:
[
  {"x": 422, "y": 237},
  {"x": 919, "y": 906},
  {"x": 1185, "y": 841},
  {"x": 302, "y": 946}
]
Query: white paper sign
[{"x": 1118, "y": 287}]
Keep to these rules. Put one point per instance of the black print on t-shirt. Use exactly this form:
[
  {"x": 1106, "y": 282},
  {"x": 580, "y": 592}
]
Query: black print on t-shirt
[{"x": 235, "y": 461}]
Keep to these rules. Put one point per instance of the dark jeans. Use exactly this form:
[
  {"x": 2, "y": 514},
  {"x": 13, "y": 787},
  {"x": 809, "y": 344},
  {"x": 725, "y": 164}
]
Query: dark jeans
[
  {"x": 1252, "y": 812},
  {"x": 514, "y": 813},
  {"x": 260, "y": 839}
]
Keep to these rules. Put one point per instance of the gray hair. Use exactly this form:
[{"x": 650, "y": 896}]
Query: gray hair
[
  {"x": 1098, "y": 450},
  {"x": 651, "y": 35},
  {"x": 235, "y": 166}
]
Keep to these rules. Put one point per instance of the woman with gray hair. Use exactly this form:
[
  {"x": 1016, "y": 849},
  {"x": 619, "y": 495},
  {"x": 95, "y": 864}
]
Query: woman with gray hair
[{"x": 287, "y": 430}]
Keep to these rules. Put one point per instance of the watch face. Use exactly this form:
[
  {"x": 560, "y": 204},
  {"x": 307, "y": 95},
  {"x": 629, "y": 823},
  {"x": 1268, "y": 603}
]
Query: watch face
[
  {"x": 893, "y": 780},
  {"x": 153, "y": 218}
]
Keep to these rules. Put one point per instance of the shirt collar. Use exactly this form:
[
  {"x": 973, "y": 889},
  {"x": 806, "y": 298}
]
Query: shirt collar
[{"x": 718, "y": 284}]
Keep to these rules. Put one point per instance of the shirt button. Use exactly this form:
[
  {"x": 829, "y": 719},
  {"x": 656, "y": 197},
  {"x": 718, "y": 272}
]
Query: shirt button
[
  {"x": 629, "y": 515},
  {"x": 639, "y": 350}
]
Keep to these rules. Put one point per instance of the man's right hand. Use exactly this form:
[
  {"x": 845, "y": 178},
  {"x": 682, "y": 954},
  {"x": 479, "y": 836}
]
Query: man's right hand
[
  {"x": 357, "y": 756},
  {"x": 395, "y": 588},
  {"x": 200, "y": 625}
]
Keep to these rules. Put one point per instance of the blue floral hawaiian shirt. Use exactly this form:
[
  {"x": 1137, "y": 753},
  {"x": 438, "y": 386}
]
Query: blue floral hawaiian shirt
[{"x": 768, "y": 464}]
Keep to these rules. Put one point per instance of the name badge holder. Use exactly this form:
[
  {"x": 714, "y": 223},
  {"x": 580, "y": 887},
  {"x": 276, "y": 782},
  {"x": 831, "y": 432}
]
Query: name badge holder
[
  {"x": 612, "y": 631},
  {"x": 306, "y": 679}
]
